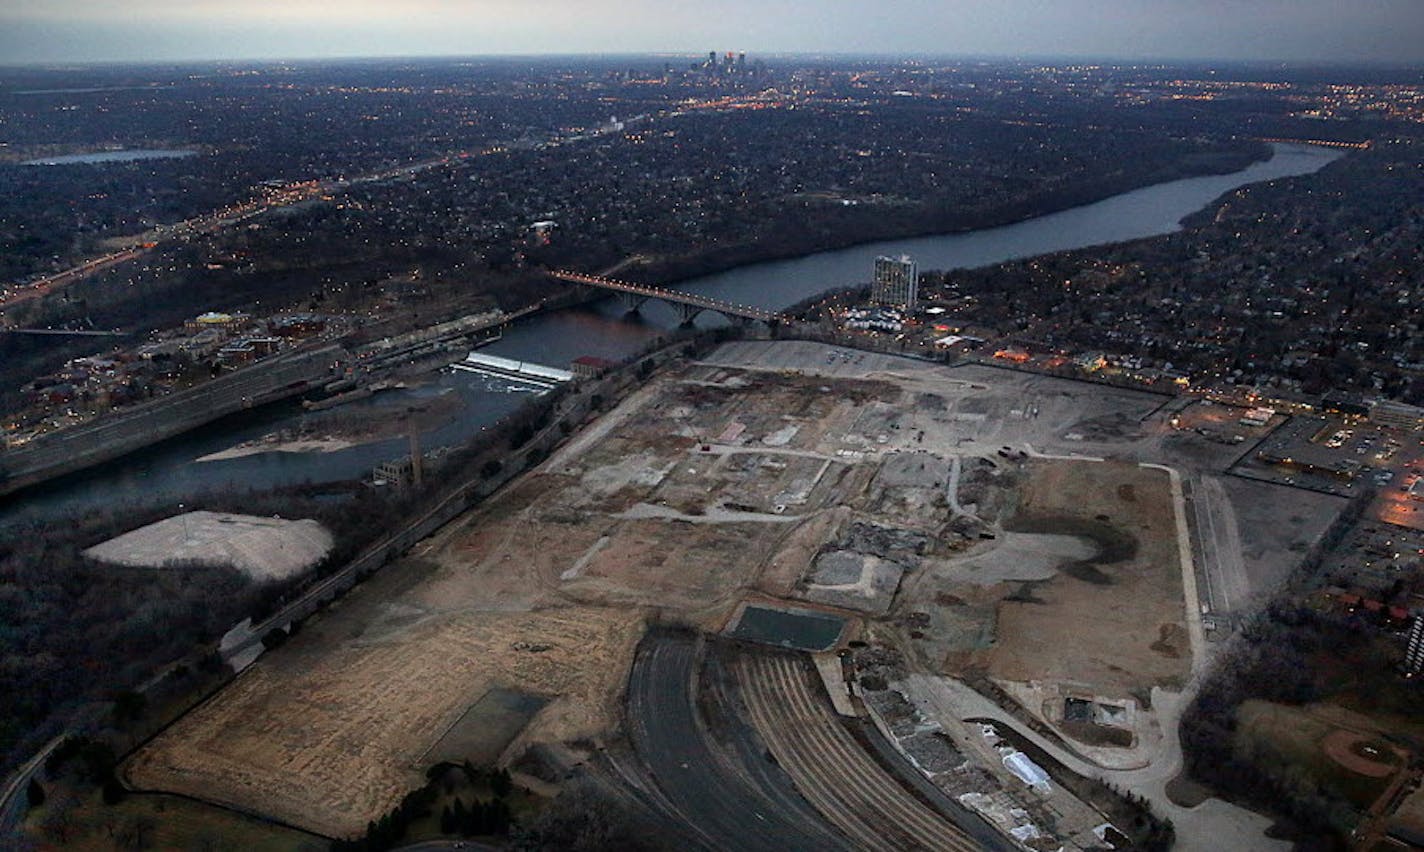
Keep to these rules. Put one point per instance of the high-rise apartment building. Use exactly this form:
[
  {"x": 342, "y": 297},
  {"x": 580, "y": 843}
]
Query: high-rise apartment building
[
  {"x": 896, "y": 282},
  {"x": 1414, "y": 652}
]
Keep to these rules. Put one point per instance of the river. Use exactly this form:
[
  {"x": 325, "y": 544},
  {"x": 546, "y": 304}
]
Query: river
[
  {"x": 105, "y": 157},
  {"x": 170, "y": 472}
]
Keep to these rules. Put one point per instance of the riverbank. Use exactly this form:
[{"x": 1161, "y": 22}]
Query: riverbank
[
  {"x": 343, "y": 428},
  {"x": 495, "y": 457},
  {"x": 24, "y": 358},
  {"x": 714, "y": 261},
  {"x": 274, "y": 443}
]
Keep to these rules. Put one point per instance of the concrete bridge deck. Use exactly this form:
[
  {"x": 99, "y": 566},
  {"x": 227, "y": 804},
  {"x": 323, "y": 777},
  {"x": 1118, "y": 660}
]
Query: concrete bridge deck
[{"x": 688, "y": 305}]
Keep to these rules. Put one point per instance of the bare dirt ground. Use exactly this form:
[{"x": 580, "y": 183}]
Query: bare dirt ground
[
  {"x": 1278, "y": 525},
  {"x": 1079, "y": 586},
  {"x": 262, "y": 548},
  {"x": 1115, "y": 625},
  {"x": 543, "y": 591},
  {"x": 755, "y": 474},
  {"x": 329, "y": 730}
]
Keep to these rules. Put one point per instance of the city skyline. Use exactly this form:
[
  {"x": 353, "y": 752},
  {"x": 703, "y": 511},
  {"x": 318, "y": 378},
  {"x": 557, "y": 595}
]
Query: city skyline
[{"x": 53, "y": 31}]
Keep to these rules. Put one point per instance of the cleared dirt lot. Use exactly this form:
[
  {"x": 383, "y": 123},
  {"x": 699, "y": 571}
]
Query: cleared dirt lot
[
  {"x": 1079, "y": 585},
  {"x": 543, "y": 592},
  {"x": 331, "y": 729},
  {"x": 261, "y": 548},
  {"x": 1115, "y": 621},
  {"x": 712, "y": 484}
]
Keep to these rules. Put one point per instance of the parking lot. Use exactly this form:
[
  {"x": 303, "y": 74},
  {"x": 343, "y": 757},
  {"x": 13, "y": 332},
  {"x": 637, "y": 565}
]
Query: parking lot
[
  {"x": 1379, "y": 560},
  {"x": 1334, "y": 455}
]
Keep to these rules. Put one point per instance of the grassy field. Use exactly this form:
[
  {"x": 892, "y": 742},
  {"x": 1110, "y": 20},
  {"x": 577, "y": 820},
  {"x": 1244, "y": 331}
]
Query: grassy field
[
  {"x": 1298, "y": 736},
  {"x": 86, "y": 824}
]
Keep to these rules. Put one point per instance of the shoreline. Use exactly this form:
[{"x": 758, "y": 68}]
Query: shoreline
[
  {"x": 706, "y": 264},
  {"x": 274, "y": 444}
]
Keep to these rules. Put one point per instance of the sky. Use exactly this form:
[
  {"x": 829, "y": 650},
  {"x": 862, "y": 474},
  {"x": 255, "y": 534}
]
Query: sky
[{"x": 50, "y": 31}]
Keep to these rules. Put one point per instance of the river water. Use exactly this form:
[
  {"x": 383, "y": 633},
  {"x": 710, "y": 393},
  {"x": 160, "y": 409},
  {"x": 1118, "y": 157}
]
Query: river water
[
  {"x": 104, "y": 157},
  {"x": 169, "y": 471}
]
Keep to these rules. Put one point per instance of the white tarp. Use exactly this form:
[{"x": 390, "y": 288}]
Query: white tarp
[{"x": 1026, "y": 770}]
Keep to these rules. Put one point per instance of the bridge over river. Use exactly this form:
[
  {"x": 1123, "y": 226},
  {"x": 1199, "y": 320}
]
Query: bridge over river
[{"x": 687, "y": 305}]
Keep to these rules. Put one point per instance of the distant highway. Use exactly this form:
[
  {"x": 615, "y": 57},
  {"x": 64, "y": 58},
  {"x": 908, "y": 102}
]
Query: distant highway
[
  {"x": 126, "y": 430},
  {"x": 1324, "y": 143},
  {"x": 208, "y": 223},
  {"x": 65, "y": 332}
]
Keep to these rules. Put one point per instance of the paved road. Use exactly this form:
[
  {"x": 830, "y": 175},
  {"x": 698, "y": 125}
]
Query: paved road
[
  {"x": 14, "y": 803},
  {"x": 728, "y": 806},
  {"x": 1191, "y": 597}
]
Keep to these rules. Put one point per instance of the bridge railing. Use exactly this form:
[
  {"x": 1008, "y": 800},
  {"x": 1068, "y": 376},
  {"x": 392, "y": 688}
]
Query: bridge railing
[{"x": 668, "y": 295}]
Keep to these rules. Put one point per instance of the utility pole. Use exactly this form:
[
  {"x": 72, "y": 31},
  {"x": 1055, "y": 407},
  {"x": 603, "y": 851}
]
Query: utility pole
[{"x": 417, "y": 462}]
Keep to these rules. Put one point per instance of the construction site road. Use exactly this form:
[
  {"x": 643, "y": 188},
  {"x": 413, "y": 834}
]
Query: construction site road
[
  {"x": 722, "y": 802},
  {"x": 1228, "y": 589},
  {"x": 1212, "y": 825}
]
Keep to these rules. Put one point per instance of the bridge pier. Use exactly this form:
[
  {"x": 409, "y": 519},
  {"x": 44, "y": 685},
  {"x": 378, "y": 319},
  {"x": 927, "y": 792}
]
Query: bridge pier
[
  {"x": 685, "y": 312},
  {"x": 632, "y": 301},
  {"x": 686, "y": 305}
]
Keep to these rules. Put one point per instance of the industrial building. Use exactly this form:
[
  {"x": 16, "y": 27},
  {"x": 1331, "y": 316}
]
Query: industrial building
[
  {"x": 590, "y": 366},
  {"x": 1396, "y": 415}
]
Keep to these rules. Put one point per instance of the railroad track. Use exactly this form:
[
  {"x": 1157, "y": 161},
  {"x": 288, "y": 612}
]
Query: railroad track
[
  {"x": 728, "y": 806},
  {"x": 830, "y": 768}
]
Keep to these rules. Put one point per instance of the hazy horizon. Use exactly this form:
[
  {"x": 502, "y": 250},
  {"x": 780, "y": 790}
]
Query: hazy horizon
[
  {"x": 697, "y": 55},
  {"x": 1129, "y": 31}
]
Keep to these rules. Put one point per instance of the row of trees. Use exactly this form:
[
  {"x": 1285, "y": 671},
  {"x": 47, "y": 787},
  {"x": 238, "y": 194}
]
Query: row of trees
[
  {"x": 481, "y": 818},
  {"x": 77, "y": 764},
  {"x": 388, "y": 831},
  {"x": 492, "y": 817},
  {"x": 1291, "y": 654},
  {"x": 1294, "y": 655},
  {"x": 586, "y": 817}
]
